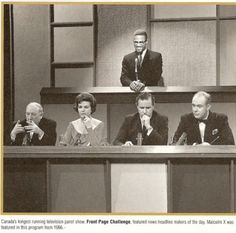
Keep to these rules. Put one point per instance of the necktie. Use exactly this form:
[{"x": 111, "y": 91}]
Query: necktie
[
  {"x": 140, "y": 59},
  {"x": 26, "y": 140},
  {"x": 144, "y": 131}
]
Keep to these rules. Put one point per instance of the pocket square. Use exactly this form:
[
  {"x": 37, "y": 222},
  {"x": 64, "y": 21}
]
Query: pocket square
[{"x": 215, "y": 131}]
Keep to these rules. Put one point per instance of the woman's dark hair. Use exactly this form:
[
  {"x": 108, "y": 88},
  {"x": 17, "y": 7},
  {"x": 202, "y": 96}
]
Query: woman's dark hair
[{"x": 85, "y": 96}]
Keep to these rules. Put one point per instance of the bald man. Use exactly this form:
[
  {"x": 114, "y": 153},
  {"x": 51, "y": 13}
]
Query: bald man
[
  {"x": 35, "y": 130},
  {"x": 203, "y": 126}
]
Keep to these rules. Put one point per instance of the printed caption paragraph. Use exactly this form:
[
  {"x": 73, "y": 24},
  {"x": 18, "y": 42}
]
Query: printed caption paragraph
[{"x": 116, "y": 223}]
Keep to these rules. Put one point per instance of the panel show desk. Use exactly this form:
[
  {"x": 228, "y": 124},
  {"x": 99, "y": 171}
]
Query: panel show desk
[{"x": 139, "y": 179}]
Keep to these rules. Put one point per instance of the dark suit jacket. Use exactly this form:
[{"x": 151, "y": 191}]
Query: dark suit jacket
[
  {"x": 132, "y": 126},
  {"x": 217, "y": 126},
  {"x": 149, "y": 73},
  {"x": 49, "y": 137}
]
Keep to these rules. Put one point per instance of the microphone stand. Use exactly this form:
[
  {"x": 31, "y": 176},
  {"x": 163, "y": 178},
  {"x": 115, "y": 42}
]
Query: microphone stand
[{"x": 136, "y": 68}]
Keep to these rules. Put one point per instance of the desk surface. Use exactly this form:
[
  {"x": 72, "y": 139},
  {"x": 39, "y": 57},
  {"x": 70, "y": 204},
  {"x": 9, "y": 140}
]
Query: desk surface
[
  {"x": 119, "y": 95},
  {"x": 110, "y": 152}
]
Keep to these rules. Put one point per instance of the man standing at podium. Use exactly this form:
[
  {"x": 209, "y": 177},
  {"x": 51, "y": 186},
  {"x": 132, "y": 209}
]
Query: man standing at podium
[
  {"x": 35, "y": 130},
  {"x": 203, "y": 126},
  {"x": 146, "y": 127},
  {"x": 142, "y": 67}
]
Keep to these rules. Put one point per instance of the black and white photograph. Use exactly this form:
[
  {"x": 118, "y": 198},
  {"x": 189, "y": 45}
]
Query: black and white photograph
[{"x": 119, "y": 108}]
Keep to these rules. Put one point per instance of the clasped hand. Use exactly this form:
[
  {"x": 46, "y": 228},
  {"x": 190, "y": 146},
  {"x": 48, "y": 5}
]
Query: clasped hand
[
  {"x": 33, "y": 128},
  {"x": 87, "y": 121},
  {"x": 137, "y": 86},
  {"x": 202, "y": 144},
  {"x": 146, "y": 121},
  {"x": 18, "y": 128},
  {"x": 128, "y": 143}
]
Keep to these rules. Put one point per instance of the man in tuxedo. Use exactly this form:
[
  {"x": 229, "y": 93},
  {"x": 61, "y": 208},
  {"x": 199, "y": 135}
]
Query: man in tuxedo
[
  {"x": 146, "y": 127},
  {"x": 142, "y": 67},
  {"x": 203, "y": 126},
  {"x": 35, "y": 129}
]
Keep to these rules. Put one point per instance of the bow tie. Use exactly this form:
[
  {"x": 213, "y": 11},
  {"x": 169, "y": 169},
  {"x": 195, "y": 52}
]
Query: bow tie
[{"x": 201, "y": 120}]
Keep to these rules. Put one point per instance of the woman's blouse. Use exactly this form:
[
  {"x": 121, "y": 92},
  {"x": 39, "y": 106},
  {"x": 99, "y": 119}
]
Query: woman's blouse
[{"x": 77, "y": 134}]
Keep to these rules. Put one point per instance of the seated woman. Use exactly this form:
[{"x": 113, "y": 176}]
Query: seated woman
[{"x": 85, "y": 131}]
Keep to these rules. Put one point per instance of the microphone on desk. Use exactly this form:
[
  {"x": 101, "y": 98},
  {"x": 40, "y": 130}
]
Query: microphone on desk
[
  {"x": 136, "y": 68},
  {"x": 139, "y": 139},
  {"x": 182, "y": 139},
  {"x": 212, "y": 142}
]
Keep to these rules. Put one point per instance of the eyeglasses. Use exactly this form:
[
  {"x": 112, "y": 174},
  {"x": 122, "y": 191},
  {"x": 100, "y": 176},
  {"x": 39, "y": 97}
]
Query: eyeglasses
[{"x": 139, "y": 42}]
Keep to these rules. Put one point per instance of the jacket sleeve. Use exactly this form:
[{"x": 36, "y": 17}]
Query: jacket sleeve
[
  {"x": 67, "y": 137},
  {"x": 179, "y": 131},
  {"x": 18, "y": 139},
  {"x": 158, "y": 137},
  {"x": 122, "y": 136},
  {"x": 125, "y": 73},
  {"x": 226, "y": 134},
  {"x": 50, "y": 135},
  {"x": 157, "y": 71}
]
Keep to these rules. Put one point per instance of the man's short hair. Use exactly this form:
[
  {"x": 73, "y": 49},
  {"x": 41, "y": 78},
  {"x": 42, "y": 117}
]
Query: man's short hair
[
  {"x": 145, "y": 96},
  {"x": 206, "y": 95},
  {"x": 37, "y": 105},
  {"x": 141, "y": 32}
]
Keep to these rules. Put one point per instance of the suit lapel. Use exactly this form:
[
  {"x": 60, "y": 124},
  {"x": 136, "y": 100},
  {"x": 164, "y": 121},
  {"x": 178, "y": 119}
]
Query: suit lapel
[
  {"x": 138, "y": 123},
  {"x": 208, "y": 137},
  {"x": 145, "y": 59}
]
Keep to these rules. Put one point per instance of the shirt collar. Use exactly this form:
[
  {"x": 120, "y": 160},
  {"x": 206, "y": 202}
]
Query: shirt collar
[
  {"x": 205, "y": 118},
  {"x": 143, "y": 53}
]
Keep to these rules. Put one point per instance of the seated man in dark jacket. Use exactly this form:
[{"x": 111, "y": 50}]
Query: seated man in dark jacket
[
  {"x": 147, "y": 127},
  {"x": 203, "y": 126},
  {"x": 35, "y": 129}
]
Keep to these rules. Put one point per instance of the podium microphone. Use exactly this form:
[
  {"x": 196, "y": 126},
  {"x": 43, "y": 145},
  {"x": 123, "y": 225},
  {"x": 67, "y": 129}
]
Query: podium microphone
[
  {"x": 181, "y": 139},
  {"x": 139, "y": 139},
  {"x": 136, "y": 68}
]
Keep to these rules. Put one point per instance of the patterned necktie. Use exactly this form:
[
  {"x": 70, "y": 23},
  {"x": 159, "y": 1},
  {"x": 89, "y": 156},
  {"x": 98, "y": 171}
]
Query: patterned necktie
[
  {"x": 26, "y": 140},
  {"x": 144, "y": 131},
  {"x": 140, "y": 59}
]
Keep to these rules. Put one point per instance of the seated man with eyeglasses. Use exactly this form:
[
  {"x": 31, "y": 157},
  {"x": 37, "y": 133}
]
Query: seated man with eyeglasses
[
  {"x": 34, "y": 130},
  {"x": 142, "y": 67}
]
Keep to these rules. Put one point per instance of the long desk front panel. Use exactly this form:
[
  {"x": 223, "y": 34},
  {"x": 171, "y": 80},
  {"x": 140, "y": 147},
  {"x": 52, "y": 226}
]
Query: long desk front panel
[{"x": 139, "y": 179}]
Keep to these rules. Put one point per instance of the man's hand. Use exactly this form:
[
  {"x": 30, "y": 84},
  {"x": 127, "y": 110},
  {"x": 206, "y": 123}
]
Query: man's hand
[
  {"x": 87, "y": 122},
  {"x": 137, "y": 86},
  {"x": 128, "y": 143},
  {"x": 201, "y": 144},
  {"x": 146, "y": 121},
  {"x": 205, "y": 144},
  {"x": 18, "y": 128},
  {"x": 33, "y": 128}
]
